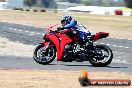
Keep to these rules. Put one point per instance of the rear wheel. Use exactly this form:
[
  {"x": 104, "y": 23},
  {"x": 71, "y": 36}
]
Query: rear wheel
[
  {"x": 43, "y": 56},
  {"x": 102, "y": 56}
]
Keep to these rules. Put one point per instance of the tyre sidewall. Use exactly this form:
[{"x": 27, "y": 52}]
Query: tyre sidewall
[
  {"x": 36, "y": 58},
  {"x": 96, "y": 64}
]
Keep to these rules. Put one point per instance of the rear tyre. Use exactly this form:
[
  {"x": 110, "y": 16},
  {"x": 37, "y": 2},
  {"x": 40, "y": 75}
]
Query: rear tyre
[
  {"x": 43, "y": 56},
  {"x": 103, "y": 56}
]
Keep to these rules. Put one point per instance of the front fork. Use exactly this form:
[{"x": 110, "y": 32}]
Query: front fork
[{"x": 46, "y": 45}]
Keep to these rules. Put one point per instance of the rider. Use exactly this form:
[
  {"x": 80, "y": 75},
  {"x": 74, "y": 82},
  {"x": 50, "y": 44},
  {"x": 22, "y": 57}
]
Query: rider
[{"x": 68, "y": 23}]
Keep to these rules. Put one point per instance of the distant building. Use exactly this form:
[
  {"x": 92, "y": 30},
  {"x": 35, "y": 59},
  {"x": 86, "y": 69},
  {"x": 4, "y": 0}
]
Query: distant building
[
  {"x": 10, "y": 4},
  {"x": 65, "y": 5},
  {"x": 2, "y": 0},
  {"x": 39, "y": 2},
  {"x": 96, "y": 2}
]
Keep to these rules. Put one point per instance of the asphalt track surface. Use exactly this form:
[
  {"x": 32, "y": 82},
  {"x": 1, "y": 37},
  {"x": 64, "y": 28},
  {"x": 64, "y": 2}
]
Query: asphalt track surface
[{"x": 30, "y": 35}]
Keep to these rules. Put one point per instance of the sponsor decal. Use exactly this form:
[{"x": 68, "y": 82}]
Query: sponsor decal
[{"x": 86, "y": 81}]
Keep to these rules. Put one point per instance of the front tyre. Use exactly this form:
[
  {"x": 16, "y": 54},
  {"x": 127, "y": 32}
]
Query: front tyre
[
  {"x": 43, "y": 56},
  {"x": 102, "y": 56}
]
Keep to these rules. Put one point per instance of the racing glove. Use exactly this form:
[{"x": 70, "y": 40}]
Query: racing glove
[{"x": 60, "y": 28}]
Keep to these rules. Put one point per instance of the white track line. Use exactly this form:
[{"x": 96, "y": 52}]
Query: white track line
[
  {"x": 108, "y": 44},
  {"x": 119, "y": 61},
  {"x": 42, "y": 27},
  {"x": 30, "y": 25},
  {"x": 120, "y": 46},
  {"x": 38, "y": 33},
  {"x": 42, "y": 34},
  {"x": 37, "y": 26},
  {"x": 4, "y": 38},
  {"x": 101, "y": 43},
  {"x": 126, "y": 47},
  {"x": 15, "y": 29},
  {"x": 130, "y": 39},
  {"x": 32, "y": 32},
  {"x": 18, "y": 41},
  {"x": 124, "y": 61},
  {"x": 121, "y": 38},
  {"x": 115, "y": 45},
  {"x": 10, "y": 28},
  {"x": 27, "y": 31},
  {"x": 118, "y": 57},
  {"x": 20, "y": 30},
  {"x": 21, "y": 24}
]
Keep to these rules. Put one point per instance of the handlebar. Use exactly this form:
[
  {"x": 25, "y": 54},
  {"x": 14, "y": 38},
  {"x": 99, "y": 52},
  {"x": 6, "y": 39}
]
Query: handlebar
[{"x": 57, "y": 31}]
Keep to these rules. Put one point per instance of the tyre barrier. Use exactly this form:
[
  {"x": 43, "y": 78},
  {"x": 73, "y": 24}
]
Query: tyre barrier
[{"x": 34, "y": 10}]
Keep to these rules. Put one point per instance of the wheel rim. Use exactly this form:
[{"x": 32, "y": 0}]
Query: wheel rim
[
  {"x": 102, "y": 55},
  {"x": 45, "y": 55}
]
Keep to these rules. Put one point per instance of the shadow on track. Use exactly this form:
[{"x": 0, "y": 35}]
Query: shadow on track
[
  {"x": 17, "y": 62},
  {"x": 93, "y": 66},
  {"x": 116, "y": 67}
]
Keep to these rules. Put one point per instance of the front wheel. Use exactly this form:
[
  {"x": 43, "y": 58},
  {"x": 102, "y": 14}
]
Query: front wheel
[
  {"x": 44, "y": 56},
  {"x": 102, "y": 56}
]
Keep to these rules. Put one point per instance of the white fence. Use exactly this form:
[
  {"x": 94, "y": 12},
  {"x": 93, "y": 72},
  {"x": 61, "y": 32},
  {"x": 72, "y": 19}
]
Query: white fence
[
  {"x": 101, "y": 10},
  {"x": 9, "y": 4}
]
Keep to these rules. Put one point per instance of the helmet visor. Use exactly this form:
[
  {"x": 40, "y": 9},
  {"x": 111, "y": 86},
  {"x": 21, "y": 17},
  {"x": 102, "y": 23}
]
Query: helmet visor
[{"x": 63, "y": 22}]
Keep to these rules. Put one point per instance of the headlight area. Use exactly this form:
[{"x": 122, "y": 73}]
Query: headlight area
[{"x": 46, "y": 39}]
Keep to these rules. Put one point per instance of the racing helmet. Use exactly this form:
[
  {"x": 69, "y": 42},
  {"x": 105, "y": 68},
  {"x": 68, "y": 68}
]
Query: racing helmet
[{"x": 65, "y": 19}]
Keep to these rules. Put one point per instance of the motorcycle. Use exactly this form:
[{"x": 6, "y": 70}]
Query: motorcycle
[{"x": 65, "y": 46}]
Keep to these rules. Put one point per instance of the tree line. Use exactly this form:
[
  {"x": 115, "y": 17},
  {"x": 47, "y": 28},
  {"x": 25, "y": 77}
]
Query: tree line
[
  {"x": 48, "y": 3},
  {"x": 128, "y": 3}
]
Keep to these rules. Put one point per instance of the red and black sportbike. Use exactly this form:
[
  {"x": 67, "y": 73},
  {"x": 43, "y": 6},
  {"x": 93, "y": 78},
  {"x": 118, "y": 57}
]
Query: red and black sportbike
[{"x": 65, "y": 46}]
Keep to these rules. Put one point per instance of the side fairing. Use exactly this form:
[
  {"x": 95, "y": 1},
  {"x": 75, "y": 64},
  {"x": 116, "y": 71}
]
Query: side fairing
[{"x": 59, "y": 40}]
